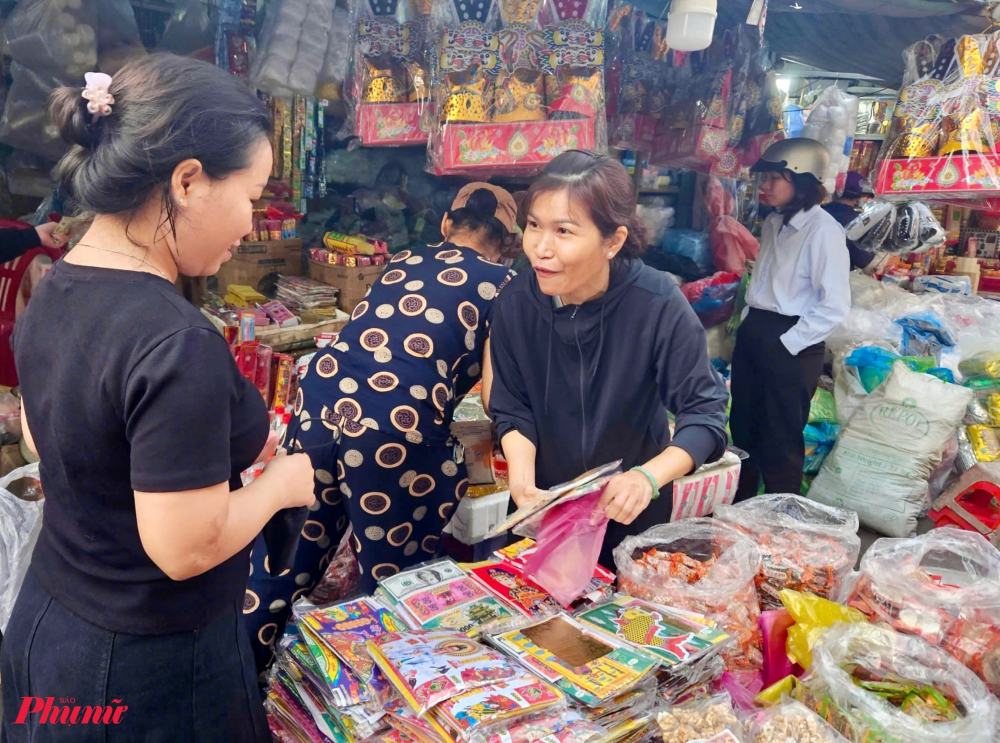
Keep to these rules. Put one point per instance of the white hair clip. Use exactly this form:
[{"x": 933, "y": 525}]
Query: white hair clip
[{"x": 99, "y": 99}]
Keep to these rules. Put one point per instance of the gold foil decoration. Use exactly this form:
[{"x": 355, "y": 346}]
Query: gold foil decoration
[
  {"x": 520, "y": 97},
  {"x": 466, "y": 101},
  {"x": 964, "y": 133},
  {"x": 420, "y": 84},
  {"x": 633, "y": 97},
  {"x": 970, "y": 59},
  {"x": 383, "y": 82},
  {"x": 919, "y": 138},
  {"x": 519, "y": 11}
]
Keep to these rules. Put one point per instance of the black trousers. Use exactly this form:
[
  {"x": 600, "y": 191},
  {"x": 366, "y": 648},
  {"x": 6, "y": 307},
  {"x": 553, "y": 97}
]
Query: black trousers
[
  {"x": 771, "y": 392},
  {"x": 188, "y": 687}
]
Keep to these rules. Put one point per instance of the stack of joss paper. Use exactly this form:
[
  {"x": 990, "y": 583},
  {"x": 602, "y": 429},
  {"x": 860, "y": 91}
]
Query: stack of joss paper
[
  {"x": 606, "y": 680},
  {"x": 324, "y": 685},
  {"x": 439, "y": 595},
  {"x": 688, "y": 646},
  {"x": 455, "y": 690}
]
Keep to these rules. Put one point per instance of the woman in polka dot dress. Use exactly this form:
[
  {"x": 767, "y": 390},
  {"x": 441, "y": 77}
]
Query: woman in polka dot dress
[{"x": 374, "y": 411}]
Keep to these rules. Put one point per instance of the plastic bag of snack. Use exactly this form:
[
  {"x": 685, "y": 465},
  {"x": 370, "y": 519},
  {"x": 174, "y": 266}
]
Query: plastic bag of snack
[
  {"x": 791, "y": 721},
  {"x": 943, "y": 586},
  {"x": 804, "y": 546},
  {"x": 704, "y": 566},
  {"x": 701, "y": 719},
  {"x": 879, "y": 686}
]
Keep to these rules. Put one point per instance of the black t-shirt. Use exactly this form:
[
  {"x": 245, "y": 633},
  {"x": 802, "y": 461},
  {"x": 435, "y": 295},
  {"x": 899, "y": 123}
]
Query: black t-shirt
[{"x": 126, "y": 386}]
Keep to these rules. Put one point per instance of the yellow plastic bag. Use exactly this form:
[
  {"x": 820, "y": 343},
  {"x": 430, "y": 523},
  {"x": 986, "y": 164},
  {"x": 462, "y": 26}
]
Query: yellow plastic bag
[
  {"x": 813, "y": 616},
  {"x": 773, "y": 694}
]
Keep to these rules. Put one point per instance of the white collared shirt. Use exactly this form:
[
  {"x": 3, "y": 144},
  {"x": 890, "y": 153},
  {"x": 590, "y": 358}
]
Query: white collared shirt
[{"x": 802, "y": 270}]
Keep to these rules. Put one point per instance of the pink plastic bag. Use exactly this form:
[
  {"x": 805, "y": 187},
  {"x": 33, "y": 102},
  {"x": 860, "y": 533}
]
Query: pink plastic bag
[
  {"x": 732, "y": 243},
  {"x": 567, "y": 548},
  {"x": 774, "y": 629}
]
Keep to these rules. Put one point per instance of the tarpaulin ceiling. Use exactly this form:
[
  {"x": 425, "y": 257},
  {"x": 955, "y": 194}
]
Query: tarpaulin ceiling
[{"x": 853, "y": 36}]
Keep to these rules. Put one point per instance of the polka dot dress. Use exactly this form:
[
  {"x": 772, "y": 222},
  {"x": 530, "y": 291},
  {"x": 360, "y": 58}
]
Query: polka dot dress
[{"x": 373, "y": 412}]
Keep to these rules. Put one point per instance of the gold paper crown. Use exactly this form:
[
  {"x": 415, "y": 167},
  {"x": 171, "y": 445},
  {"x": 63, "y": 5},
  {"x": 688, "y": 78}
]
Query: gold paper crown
[
  {"x": 383, "y": 83},
  {"x": 519, "y": 97},
  {"x": 466, "y": 102}
]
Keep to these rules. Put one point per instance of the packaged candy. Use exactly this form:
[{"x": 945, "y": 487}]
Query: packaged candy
[
  {"x": 702, "y": 720},
  {"x": 704, "y": 566},
  {"x": 804, "y": 545},
  {"x": 985, "y": 442},
  {"x": 875, "y": 685},
  {"x": 428, "y": 667},
  {"x": 791, "y": 721},
  {"x": 943, "y": 586}
]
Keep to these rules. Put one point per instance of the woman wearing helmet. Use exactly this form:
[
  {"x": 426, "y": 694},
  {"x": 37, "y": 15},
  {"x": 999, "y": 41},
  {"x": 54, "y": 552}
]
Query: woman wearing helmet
[{"x": 798, "y": 294}]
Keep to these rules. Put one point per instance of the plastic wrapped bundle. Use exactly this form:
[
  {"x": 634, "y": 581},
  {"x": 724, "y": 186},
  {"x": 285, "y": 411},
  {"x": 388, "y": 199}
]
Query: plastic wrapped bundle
[
  {"x": 943, "y": 586},
  {"x": 20, "y": 522},
  {"x": 791, "y": 721},
  {"x": 804, "y": 546},
  {"x": 831, "y": 123},
  {"x": 701, "y": 720},
  {"x": 703, "y": 566},
  {"x": 293, "y": 46},
  {"x": 878, "y": 686}
]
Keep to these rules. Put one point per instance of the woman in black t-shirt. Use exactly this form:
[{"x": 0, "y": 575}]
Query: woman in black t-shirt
[{"x": 142, "y": 421}]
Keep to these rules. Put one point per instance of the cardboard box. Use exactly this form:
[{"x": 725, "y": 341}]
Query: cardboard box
[
  {"x": 708, "y": 487},
  {"x": 476, "y": 438},
  {"x": 257, "y": 264},
  {"x": 353, "y": 283}
]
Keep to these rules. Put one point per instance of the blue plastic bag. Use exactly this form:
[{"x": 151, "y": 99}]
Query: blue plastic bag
[
  {"x": 819, "y": 438},
  {"x": 873, "y": 364},
  {"x": 925, "y": 335},
  {"x": 683, "y": 252}
]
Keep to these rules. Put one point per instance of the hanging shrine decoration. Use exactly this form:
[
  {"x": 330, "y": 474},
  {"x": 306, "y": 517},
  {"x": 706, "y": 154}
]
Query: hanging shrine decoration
[
  {"x": 517, "y": 83},
  {"x": 391, "y": 86}
]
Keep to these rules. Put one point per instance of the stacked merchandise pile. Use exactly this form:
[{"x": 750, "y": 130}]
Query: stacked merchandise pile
[
  {"x": 349, "y": 671},
  {"x": 299, "y": 295},
  {"x": 350, "y": 250}
]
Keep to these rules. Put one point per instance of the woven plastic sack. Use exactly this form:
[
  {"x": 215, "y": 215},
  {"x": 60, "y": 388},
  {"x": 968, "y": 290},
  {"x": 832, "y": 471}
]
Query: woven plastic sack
[
  {"x": 804, "y": 546},
  {"x": 704, "y": 566},
  {"x": 862, "y": 715},
  {"x": 943, "y": 586},
  {"x": 887, "y": 451}
]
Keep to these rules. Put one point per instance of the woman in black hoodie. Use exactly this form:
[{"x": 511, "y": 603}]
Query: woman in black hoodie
[{"x": 591, "y": 348}]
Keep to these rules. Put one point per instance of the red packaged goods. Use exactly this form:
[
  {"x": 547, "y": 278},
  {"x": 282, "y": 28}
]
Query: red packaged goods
[
  {"x": 246, "y": 359},
  {"x": 804, "y": 546},
  {"x": 703, "y": 566},
  {"x": 943, "y": 586},
  {"x": 262, "y": 378}
]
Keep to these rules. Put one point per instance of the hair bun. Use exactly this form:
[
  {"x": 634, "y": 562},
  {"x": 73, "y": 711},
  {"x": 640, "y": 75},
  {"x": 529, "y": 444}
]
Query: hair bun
[
  {"x": 68, "y": 109},
  {"x": 482, "y": 204}
]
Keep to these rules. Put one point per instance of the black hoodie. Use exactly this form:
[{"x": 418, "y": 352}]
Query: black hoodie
[{"x": 592, "y": 383}]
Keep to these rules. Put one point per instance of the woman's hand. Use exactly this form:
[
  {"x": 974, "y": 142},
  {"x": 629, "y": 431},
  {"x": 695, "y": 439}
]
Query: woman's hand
[
  {"x": 525, "y": 495},
  {"x": 48, "y": 239},
  {"x": 626, "y": 496},
  {"x": 293, "y": 475},
  {"x": 269, "y": 450}
]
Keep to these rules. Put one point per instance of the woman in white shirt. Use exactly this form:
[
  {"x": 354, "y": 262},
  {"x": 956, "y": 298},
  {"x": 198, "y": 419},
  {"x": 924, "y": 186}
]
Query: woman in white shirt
[{"x": 798, "y": 294}]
